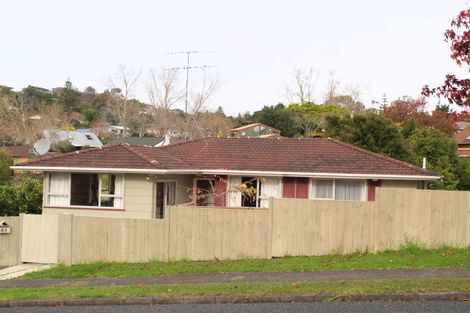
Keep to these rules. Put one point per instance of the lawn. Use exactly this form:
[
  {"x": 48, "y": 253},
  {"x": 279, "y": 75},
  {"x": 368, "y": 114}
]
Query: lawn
[
  {"x": 304, "y": 288},
  {"x": 409, "y": 256}
]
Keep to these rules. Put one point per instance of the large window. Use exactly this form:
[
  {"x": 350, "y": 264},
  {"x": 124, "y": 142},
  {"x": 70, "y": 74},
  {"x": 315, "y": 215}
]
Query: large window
[
  {"x": 251, "y": 191},
  {"x": 77, "y": 189},
  {"x": 339, "y": 189}
]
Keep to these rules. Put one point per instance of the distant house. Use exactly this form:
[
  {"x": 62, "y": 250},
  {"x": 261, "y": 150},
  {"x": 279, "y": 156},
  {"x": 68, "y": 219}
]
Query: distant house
[
  {"x": 463, "y": 139},
  {"x": 139, "y": 141},
  {"x": 139, "y": 182},
  {"x": 21, "y": 154},
  {"x": 79, "y": 138},
  {"x": 255, "y": 130}
]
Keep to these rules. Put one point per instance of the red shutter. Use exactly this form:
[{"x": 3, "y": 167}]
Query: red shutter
[
  {"x": 301, "y": 188},
  {"x": 371, "y": 185},
  {"x": 220, "y": 189},
  {"x": 295, "y": 187},
  {"x": 288, "y": 187}
]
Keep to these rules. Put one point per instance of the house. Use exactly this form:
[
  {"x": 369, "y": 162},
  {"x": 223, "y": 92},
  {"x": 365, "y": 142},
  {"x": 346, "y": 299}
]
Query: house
[
  {"x": 139, "y": 182},
  {"x": 80, "y": 138},
  {"x": 139, "y": 141},
  {"x": 21, "y": 154},
  {"x": 258, "y": 130},
  {"x": 463, "y": 139}
]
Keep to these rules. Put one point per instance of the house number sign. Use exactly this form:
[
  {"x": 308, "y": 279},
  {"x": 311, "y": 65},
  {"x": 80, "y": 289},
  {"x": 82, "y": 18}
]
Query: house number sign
[{"x": 5, "y": 229}]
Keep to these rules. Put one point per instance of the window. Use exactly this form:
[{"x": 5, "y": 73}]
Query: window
[
  {"x": 205, "y": 193},
  {"x": 95, "y": 190},
  {"x": 251, "y": 192},
  {"x": 339, "y": 189}
]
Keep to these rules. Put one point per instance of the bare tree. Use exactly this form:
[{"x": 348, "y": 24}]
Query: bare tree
[
  {"x": 302, "y": 86},
  {"x": 122, "y": 88},
  {"x": 163, "y": 92},
  {"x": 332, "y": 87}
]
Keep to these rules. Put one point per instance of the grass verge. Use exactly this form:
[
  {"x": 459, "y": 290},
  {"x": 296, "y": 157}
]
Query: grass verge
[
  {"x": 310, "y": 288},
  {"x": 409, "y": 256}
]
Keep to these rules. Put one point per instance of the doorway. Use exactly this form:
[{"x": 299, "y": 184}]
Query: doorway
[{"x": 165, "y": 195}]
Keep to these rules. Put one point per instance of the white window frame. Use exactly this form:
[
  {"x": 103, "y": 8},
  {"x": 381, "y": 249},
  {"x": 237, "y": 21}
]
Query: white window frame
[
  {"x": 258, "y": 196},
  {"x": 120, "y": 195},
  {"x": 313, "y": 189}
]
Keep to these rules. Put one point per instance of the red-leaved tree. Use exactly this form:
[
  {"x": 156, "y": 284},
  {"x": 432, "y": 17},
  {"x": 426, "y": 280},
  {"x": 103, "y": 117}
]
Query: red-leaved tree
[{"x": 454, "y": 89}]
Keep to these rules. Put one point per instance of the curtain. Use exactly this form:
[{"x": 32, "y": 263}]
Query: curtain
[
  {"x": 59, "y": 189},
  {"x": 323, "y": 189},
  {"x": 349, "y": 190},
  {"x": 119, "y": 192},
  {"x": 170, "y": 193}
]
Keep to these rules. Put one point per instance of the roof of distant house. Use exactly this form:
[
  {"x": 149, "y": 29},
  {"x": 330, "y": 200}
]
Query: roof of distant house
[
  {"x": 254, "y": 125},
  {"x": 77, "y": 138},
  {"x": 24, "y": 151},
  {"x": 140, "y": 141},
  {"x": 310, "y": 157}
]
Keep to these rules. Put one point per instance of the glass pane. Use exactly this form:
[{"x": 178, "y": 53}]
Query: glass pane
[
  {"x": 107, "y": 202},
  {"x": 84, "y": 189},
  {"x": 249, "y": 192},
  {"x": 323, "y": 189},
  {"x": 349, "y": 190},
  {"x": 108, "y": 183},
  {"x": 170, "y": 193}
]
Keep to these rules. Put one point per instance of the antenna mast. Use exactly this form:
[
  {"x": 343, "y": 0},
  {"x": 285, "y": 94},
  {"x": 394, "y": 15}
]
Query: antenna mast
[{"x": 187, "y": 68}]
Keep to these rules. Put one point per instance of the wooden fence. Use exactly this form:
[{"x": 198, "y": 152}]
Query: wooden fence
[
  {"x": 317, "y": 227},
  {"x": 288, "y": 227},
  {"x": 10, "y": 243}
]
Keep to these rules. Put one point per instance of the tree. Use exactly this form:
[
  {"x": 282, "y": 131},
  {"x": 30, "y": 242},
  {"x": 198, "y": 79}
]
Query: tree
[
  {"x": 456, "y": 90},
  {"x": 6, "y": 161},
  {"x": 372, "y": 132},
  {"x": 302, "y": 87},
  {"x": 70, "y": 98},
  {"x": 276, "y": 116},
  {"x": 163, "y": 93},
  {"x": 310, "y": 117},
  {"x": 122, "y": 88},
  {"x": 440, "y": 152},
  {"x": 405, "y": 109}
]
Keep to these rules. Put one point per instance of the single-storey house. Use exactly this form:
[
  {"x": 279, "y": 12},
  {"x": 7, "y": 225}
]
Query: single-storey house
[{"x": 139, "y": 182}]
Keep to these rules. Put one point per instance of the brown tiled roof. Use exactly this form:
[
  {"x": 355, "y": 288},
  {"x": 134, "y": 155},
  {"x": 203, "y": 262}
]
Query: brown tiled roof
[
  {"x": 315, "y": 155},
  {"x": 20, "y": 151}
]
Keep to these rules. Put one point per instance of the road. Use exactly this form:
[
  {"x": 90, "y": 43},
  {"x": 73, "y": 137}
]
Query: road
[{"x": 317, "y": 307}]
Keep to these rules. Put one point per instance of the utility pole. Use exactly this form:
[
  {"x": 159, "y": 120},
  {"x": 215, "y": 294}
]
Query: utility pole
[{"x": 187, "y": 68}]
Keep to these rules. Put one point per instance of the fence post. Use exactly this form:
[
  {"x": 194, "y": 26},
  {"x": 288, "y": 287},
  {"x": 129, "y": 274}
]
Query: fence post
[
  {"x": 65, "y": 239},
  {"x": 270, "y": 227},
  {"x": 20, "y": 237}
]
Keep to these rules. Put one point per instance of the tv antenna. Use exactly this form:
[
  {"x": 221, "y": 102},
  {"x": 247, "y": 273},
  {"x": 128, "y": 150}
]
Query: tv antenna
[{"x": 187, "y": 68}]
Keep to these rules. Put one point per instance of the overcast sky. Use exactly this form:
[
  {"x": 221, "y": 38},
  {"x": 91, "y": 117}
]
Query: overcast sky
[{"x": 383, "y": 46}]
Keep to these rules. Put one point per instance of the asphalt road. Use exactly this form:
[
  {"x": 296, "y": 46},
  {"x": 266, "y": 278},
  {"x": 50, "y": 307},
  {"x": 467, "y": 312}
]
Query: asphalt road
[{"x": 317, "y": 307}]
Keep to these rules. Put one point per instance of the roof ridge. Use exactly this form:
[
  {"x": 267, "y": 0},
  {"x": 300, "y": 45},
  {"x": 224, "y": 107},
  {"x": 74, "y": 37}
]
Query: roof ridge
[
  {"x": 388, "y": 158},
  {"x": 130, "y": 148}
]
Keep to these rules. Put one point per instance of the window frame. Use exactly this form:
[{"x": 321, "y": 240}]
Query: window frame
[
  {"x": 258, "y": 193},
  {"x": 118, "y": 194},
  {"x": 314, "y": 187}
]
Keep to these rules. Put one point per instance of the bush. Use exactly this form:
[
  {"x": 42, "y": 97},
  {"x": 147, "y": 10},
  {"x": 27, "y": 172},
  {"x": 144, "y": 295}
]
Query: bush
[
  {"x": 8, "y": 201},
  {"x": 5, "y": 162},
  {"x": 29, "y": 195}
]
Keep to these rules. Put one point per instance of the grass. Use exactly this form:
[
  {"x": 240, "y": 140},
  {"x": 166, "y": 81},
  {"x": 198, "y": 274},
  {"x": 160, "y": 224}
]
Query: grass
[
  {"x": 409, "y": 256},
  {"x": 310, "y": 288}
]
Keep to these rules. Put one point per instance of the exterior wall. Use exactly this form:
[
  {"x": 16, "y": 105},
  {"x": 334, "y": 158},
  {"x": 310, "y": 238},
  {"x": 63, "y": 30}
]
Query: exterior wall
[
  {"x": 139, "y": 198},
  {"x": 406, "y": 184}
]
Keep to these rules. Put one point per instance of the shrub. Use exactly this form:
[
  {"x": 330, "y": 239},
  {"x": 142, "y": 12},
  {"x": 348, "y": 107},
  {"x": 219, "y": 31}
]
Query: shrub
[
  {"x": 29, "y": 195},
  {"x": 8, "y": 201}
]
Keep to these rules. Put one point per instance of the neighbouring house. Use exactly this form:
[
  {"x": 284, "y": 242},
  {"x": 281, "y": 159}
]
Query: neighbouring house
[
  {"x": 79, "y": 138},
  {"x": 21, "y": 154},
  {"x": 139, "y": 141},
  {"x": 463, "y": 139},
  {"x": 258, "y": 130},
  {"x": 139, "y": 182}
]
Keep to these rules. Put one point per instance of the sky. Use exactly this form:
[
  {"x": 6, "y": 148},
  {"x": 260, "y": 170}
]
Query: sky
[{"x": 392, "y": 47}]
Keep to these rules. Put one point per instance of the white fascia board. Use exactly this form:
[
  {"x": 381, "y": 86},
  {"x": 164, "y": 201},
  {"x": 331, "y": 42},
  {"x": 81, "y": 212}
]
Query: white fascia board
[
  {"x": 88, "y": 170},
  {"x": 226, "y": 172}
]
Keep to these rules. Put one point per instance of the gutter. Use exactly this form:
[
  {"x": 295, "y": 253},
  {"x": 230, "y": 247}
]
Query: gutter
[{"x": 224, "y": 172}]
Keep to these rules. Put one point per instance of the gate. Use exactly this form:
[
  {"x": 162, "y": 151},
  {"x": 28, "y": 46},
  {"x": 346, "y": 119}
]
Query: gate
[{"x": 40, "y": 239}]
